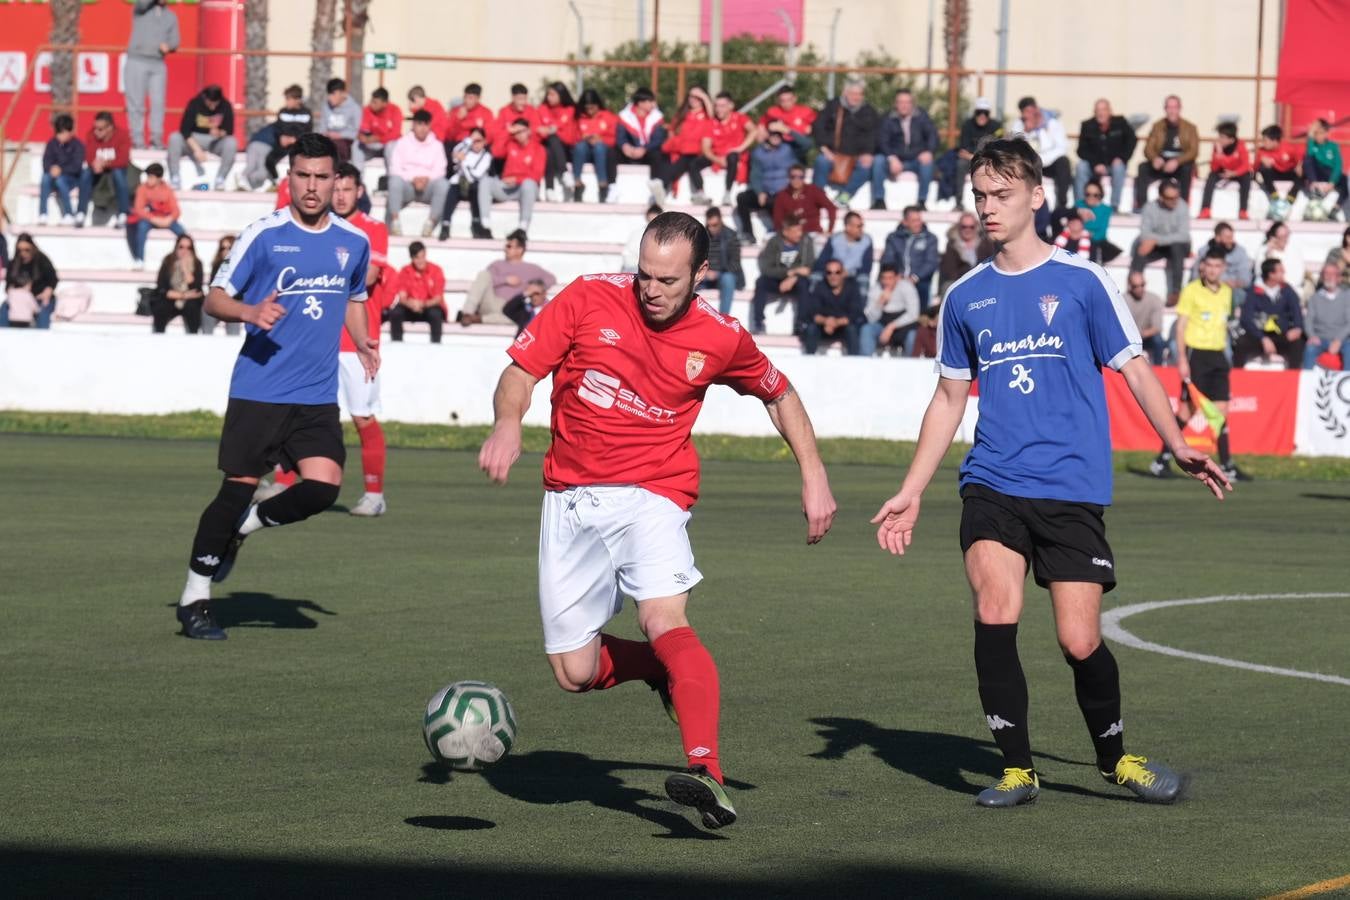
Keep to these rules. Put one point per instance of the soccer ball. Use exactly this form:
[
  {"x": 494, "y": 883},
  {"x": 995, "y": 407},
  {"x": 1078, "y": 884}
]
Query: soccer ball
[
  {"x": 469, "y": 725},
  {"x": 1280, "y": 209},
  {"x": 1316, "y": 210}
]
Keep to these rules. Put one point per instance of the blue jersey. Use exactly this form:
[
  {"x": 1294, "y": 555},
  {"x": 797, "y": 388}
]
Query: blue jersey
[
  {"x": 1037, "y": 340},
  {"x": 314, "y": 274}
]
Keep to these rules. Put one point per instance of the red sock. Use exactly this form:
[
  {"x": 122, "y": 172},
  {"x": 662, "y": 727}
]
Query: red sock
[
  {"x": 622, "y": 660},
  {"x": 695, "y": 693},
  {"x": 284, "y": 478},
  {"x": 372, "y": 456}
]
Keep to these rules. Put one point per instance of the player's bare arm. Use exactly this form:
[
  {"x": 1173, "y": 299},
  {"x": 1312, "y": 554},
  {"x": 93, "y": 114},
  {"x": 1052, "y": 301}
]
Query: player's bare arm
[
  {"x": 368, "y": 348},
  {"x": 897, "y": 517},
  {"x": 222, "y": 306},
  {"x": 1179, "y": 335},
  {"x": 789, "y": 416},
  {"x": 509, "y": 403},
  {"x": 1152, "y": 399}
]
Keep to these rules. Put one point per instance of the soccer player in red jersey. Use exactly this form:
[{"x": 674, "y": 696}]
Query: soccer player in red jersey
[{"x": 632, "y": 357}]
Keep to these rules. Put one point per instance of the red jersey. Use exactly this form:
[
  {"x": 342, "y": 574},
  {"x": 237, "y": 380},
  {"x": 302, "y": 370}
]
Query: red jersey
[
  {"x": 380, "y": 293},
  {"x": 625, "y": 397},
  {"x": 462, "y": 121},
  {"x": 728, "y": 135},
  {"x": 524, "y": 162},
  {"x": 440, "y": 122},
  {"x": 799, "y": 118},
  {"x": 1284, "y": 158},
  {"x": 604, "y": 125},
  {"x": 564, "y": 118},
  {"x": 505, "y": 116},
  {"x": 1231, "y": 163},
  {"x": 283, "y": 192},
  {"x": 427, "y": 285},
  {"x": 687, "y": 140},
  {"x": 386, "y": 125}
]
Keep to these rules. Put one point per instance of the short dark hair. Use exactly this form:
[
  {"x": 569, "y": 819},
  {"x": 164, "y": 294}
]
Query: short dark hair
[
  {"x": 712, "y": 212},
  {"x": 347, "y": 170},
  {"x": 294, "y": 91},
  {"x": 519, "y": 88},
  {"x": 1272, "y": 133},
  {"x": 335, "y": 84},
  {"x": 380, "y": 94},
  {"x": 642, "y": 94},
  {"x": 415, "y": 248},
  {"x": 1025, "y": 102},
  {"x": 519, "y": 237},
  {"x": 213, "y": 93},
  {"x": 521, "y": 120},
  {"x": 913, "y": 207},
  {"x": 1221, "y": 228},
  {"x": 726, "y": 95},
  {"x": 416, "y": 92},
  {"x": 1323, "y": 122},
  {"x": 312, "y": 145},
  {"x": 1216, "y": 253},
  {"x": 422, "y": 115},
  {"x": 904, "y": 91},
  {"x": 670, "y": 227},
  {"x": 478, "y": 130},
  {"x": 1268, "y": 267},
  {"x": 104, "y": 116},
  {"x": 154, "y": 169},
  {"x": 63, "y": 122},
  {"x": 1072, "y": 216},
  {"x": 1227, "y": 129},
  {"x": 797, "y": 167},
  {"x": 786, "y": 89},
  {"x": 794, "y": 220},
  {"x": 888, "y": 267},
  {"x": 1169, "y": 184},
  {"x": 1273, "y": 230},
  {"x": 474, "y": 88},
  {"x": 1011, "y": 158},
  {"x": 654, "y": 210},
  {"x": 851, "y": 215}
]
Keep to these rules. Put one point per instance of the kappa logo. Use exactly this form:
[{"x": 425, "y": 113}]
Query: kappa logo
[
  {"x": 342, "y": 256},
  {"x": 313, "y": 308},
  {"x": 209, "y": 560},
  {"x": 1049, "y": 303},
  {"x": 981, "y": 304},
  {"x": 693, "y": 364},
  {"x": 1022, "y": 379},
  {"x": 996, "y": 722},
  {"x": 1103, "y": 563},
  {"x": 609, "y": 336},
  {"x": 1115, "y": 729},
  {"x": 285, "y": 248}
]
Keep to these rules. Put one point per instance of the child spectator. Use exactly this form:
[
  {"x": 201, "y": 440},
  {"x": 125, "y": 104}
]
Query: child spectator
[
  {"x": 1096, "y": 217},
  {"x": 178, "y": 289},
  {"x": 557, "y": 130},
  {"x": 381, "y": 125},
  {"x": 1074, "y": 238},
  {"x": 1228, "y": 163},
  {"x": 683, "y": 149},
  {"x": 597, "y": 132},
  {"x": 107, "y": 155},
  {"x": 30, "y": 287},
  {"x": 62, "y": 170},
  {"x": 340, "y": 117},
  {"x": 207, "y": 128},
  {"x": 155, "y": 206},
  {"x": 1321, "y": 165},
  {"x": 1276, "y": 161}
]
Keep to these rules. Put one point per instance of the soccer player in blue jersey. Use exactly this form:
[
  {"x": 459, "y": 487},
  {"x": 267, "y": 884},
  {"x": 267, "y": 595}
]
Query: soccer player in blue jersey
[
  {"x": 301, "y": 274},
  {"x": 1035, "y": 325}
]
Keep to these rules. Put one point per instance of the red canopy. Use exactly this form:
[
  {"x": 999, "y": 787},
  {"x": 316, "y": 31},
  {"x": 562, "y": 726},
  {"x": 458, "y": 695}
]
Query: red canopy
[{"x": 1314, "y": 66}]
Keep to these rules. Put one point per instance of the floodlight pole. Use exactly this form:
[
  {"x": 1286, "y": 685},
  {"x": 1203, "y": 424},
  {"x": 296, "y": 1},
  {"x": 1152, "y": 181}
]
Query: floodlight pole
[
  {"x": 715, "y": 48},
  {"x": 1001, "y": 91},
  {"x": 834, "y": 31},
  {"x": 581, "y": 47}
]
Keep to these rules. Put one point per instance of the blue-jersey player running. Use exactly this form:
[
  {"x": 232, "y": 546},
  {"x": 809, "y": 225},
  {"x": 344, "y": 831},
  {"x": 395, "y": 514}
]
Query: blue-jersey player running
[
  {"x": 296, "y": 277},
  {"x": 1035, "y": 325}
]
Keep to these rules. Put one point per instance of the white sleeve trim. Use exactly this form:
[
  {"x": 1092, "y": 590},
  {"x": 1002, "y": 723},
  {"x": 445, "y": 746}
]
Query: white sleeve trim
[
  {"x": 949, "y": 372},
  {"x": 1118, "y": 361}
]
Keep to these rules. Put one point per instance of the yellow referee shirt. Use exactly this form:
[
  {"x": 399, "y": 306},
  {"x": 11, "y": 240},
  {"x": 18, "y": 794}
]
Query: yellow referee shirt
[{"x": 1206, "y": 315}]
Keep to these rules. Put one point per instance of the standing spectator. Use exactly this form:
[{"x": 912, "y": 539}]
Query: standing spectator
[
  {"x": 1096, "y": 217},
  {"x": 1169, "y": 152},
  {"x": 1105, "y": 144},
  {"x": 641, "y": 133},
  {"x": 597, "y": 132},
  {"x": 154, "y": 35},
  {"x": 907, "y": 141},
  {"x": 892, "y": 315},
  {"x": 440, "y": 122},
  {"x": 977, "y": 128},
  {"x": 1322, "y": 165},
  {"x": 770, "y": 166},
  {"x": 557, "y": 131},
  {"x": 381, "y": 125},
  {"x": 421, "y": 290},
  {"x": 178, "y": 289},
  {"x": 1146, "y": 308},
  {"x": 1229, "y": 162},
  {"x": 470, "y": 114},
  {"x": 518, "y": 108},
  {"x": 154, "y": 206},
  {"x": 632, "y": 248},
  {"x": 270, "y": 144},
  {"x": 207, "y": 128},
  {"x": 805, "y": 201},
  {"x": 107, "y": 154},
  {"x": 1278, "y": 160},
  {"x": 1272, "y": 321},
  {"x": 784, "y": 271},
  {"x": 834, "y": 312},
  {"x": 30, "y": 287},
  {"x": 683, "y": 149},
  {"x": 222, "y": 254},
  {"x": 853, "y": 248},
  {"x": 493, "y": 287},
  {"x": 1237, "y": 272},
  {"x": 417, "y": 168},
  {"x": 522, "y": 173},
  {"x": 62, "y": 172},
  {"x": 1328, "y": 319},
  {"x": 1045, "y": 133},
  {"x": 912, "y": 249},
  {"x": 1165, "y": 233},
  {"x": 966, "y": 246},
  {"x": 724, "y": 261},
  {"x": 340, "y": 117},
  {"x": 470, "y": 162},
  {"x": 732, "y": 135},
  {"x": 846, "y": 134},
  {"x": 1074, "y": 237},
  {"x": 791, "y": 121}
]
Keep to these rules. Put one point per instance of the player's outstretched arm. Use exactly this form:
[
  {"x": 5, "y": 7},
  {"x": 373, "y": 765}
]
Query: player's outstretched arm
[
  {"x": 1152, "y": 399},
  {"x": 222, "y": 306},
  {"x": 897, "y": 517},
  {"x": 358, "y": 326},
  {"x": 509, "y": 403},
  {"x": 788, "y": 415}
]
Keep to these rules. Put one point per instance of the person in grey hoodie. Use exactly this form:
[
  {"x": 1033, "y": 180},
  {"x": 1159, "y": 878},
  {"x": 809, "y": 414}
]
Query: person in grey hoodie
[
  {"x": 154, "y": 35},
  {"x": 1327, "y": 322},
  {"x": 340, "y": 117},
  {"x": 1164, "y": 233}
]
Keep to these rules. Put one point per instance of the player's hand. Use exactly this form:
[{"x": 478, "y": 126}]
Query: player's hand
[
  {"x": 895, "y": 522},
  {"x": 819, "y": 507},
  {"x": 1184, "y": 369},
  {"x": 370, "y": 358},
  {"x": 266, "y": 313},
  {"x": 500, "y": 451},
  {"x": 1203, "y": 469}
]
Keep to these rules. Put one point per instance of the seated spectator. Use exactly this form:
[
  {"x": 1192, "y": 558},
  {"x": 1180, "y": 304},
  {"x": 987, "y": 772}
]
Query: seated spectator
[
  {"x": 1169, "y": 152},
  {"x": 633, "y": 246},
  {"x": 518, "y": 108},
  {"x": 925, "y": 336},
  {"x": 1328, "y": 319},
  {"x": 30, "y": 287},
  {"x": 1322, "y": 165},
  {"x": 222, "y": 255},
  {"x": 834, "y": 313},
  {"x": 470, "y": 114},
  {"x": 381, "y": 125},
  {"x": 557, "y": 131},
  {"x": 522, "y": 173},
  {"x": 784, "y": 271},
  {"x": 440, "y": 122},
  {"x": 770, "y": 164},
  {"x": 207, "y": 128},
  {"x": 1237, "y": 272},
  {"x": 1271, "y": 320},
  {"x": 107, "y": 153},
  {"x": 417, "y": 168},
  {"x": 682, "y": 152},
  {"x": 154, "y": 206},
  {"x": 1276, "y": 246},
  {"x": 966, "y": 247},
  {"x": 597, "y": 132},
  {"x": 62, "y": 172},
  {"x": 1146, "y": 308},
  {"x": 641, "y": 132},
  {"x": 1229, "y": 162},
  {"x": 421, "y": 288},
  {"x": 805, "y": 201},
  {"x": 271, "y": 143},
  {"x": 791, "y": 121},
  {"x": 912, "y": 250},
  {"x": 1045, "y": 133},
  {"x": 1278, "y": 160},
  {"x": 470, "y": 161},
  {"x": 499, "y": 282},
  {"x": 906, "y": 142},
  {"x": 523, "y": 307},
  {"x": 724, "y": 261},
  {"x": 1096, "y": 217},
  {"x": 891, "y": 314},
  {"x": 340, "y": 117},
  {"x": 1074, "y": 237},
  {"x": 852, "y": 247},
  {"x": 1164, "y": 233},
  {"x": 846, "y": 134},
  {"x": 1340, "y": 257},
  {"x": 733, "y": 134},
  {"x": 974, "y": 131},
  {"x": 178, "y": 289},
  {"x": 1105, "y": 144}
]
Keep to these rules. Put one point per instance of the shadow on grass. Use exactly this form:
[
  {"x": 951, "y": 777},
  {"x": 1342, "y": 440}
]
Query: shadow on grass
[
  {"x": 246, "y": 609},
  {"x": 450, "y": 823},
  {"x": 1315, "y": 496}
]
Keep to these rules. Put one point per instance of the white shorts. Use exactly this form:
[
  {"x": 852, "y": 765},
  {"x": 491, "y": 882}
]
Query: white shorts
[
  {"x": 356, "y": 396},
  {"x": 598, "y": 544}
]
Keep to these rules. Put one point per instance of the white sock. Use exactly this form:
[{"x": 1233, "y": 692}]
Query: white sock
[
  {"x": 198, "y": 587},
  {"x": 375, "y": 495},
  {"x": 252, "y": 523}
]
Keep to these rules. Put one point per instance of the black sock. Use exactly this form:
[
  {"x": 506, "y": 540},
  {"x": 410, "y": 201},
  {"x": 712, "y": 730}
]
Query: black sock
[
  {"x": 1096, "y": 682},
  {"x": 298, "y": 502},
  {"x": 1225, "y": 458},
  {"x": 1003, "y": 691},
  {"x": 217, "y": 524}
]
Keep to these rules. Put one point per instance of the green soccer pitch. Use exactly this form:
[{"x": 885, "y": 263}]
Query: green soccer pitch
[{"x": 289, "y": 759}]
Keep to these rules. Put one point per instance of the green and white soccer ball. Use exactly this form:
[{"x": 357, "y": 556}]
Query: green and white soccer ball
[
  {"x": 1316, "y": 210},
  {"x": 1280, "y": 209},
  {"x": 469, "y": 725}
]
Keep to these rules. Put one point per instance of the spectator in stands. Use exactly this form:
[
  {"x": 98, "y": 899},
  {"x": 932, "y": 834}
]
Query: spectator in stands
[
  {"x": 597, "y": 132},
  {"x": 891, "y": 314},
  {"x": 470, "y": 162},
  {"x": 805, "y": 201},
  {"x": 1045, "y": 133},
  {"x": 1170, "y": 151},
  {"x": 1105, "y": 144},
  {"x": 272, "y": 142},
  {"x": 1271, "y": 320},
  {"x": 207, "y": 128},
  {"x": 178, "y": 289},
  {"x": 557, "y": 131},
  {"x": 62, "y": 172},
  {"x": 421, "y": 289},
  {"x": 1278, "y": 160},
  {"x": 222, "y": 255},
  {"x": 522, "y": 173},
  {"x": 682, "y": 152},
  {"x": 966, "y": 246},
  {"x": 853, "y": 248},
  {"x": 791, "y": 121},
  {"x": 906, "y": 142},
  {"x": 470, "y": 114},
  {"x": 1322, "y": 165},
  {"x": 1229, "y": 162},
  {"x": 107, "y": 153},
  {"x": 724, "y": 261},
  {"x": 417, "y": 168},
  {"x": 784, "y": 271},
  {"x": 633, "y": 246},
  {"x": 519, "y": 108},
  {"x": 925, "y": 336},
  {"x": 1074, "y": 237},
  {"x": 770, "y": 165},
  {"x": 1328, "y": 319},
  {"x": 1164, "y": 233},
  {"x": 1096, "y": 217},
  {"x": 1237, "y": 273},
  {"x": 834, "y": 312},
  {"x": 641, "y": 133},
  {"x": 1277, "y": 247},
  {"x": 733, "y": 133},
  {"x": 974, "y": 131},
  {"x": 523, "y": 307},
  {"x": 381, "y": 125},
  {"x": 154, "y": 35},
  {"x": 1340, "y": 257},
  {"x": 846, "y": 134},
  {"x": 30, "y": 287},
  {"x": 440, "y": 122},
  {"x": 154, "y": 206},
  {"x": 340, "y": 117},
  {"x": 499, "y": 282},
  {"x": 1146, "y": 308},
  {"x": 912, "y": 249}
]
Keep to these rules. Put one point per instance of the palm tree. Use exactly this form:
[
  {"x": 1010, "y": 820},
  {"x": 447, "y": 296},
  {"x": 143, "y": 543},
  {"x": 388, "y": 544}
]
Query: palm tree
[
  {"x": 359, "y": 10},
  {"x": 956, "y": 34},
  {"x": 321, "y": 41},
  {"x": 255, "y": 67},
  {"x": 65, "y": 30}
]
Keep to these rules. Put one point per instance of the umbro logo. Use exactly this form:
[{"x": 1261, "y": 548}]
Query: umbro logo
[
  {"x": 681, "y": 578},
  {"x": 609, "y": 336},
  {"x": 996, "y": 722},
  {"x": 209, "y": 560},
  {"x": 700, "y": 752},
  {"x": 1115, "y": 729}
]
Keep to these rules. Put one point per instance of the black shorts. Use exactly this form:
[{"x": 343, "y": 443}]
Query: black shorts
[
  {"x": 1060, "y": 540},
  {"x": 259, "y": 435},
  {"x": 1209, "y": 372}
]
